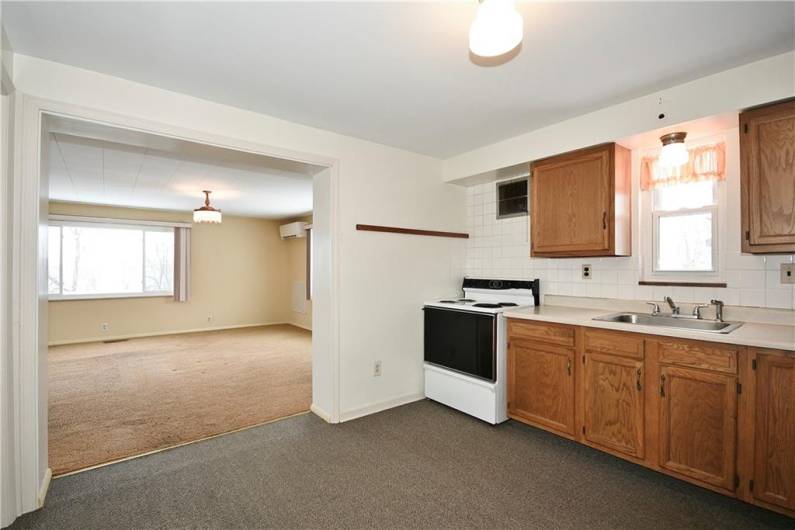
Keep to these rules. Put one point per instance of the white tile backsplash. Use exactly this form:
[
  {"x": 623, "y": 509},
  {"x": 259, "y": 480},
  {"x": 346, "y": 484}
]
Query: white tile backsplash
[{"x": 500, "y": 248}]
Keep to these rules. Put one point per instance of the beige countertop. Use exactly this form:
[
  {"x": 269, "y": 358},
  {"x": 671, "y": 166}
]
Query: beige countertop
[{"x": 776, "y": 336}]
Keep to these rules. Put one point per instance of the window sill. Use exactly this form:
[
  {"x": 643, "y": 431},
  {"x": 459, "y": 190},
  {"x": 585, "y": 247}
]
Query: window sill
[
  {"x": 57, "y": 298},
  {"x": 682, "y": 284}
]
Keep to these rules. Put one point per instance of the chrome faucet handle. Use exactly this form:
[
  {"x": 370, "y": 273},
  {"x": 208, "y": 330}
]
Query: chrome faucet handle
[
  {"x": 655, "y": 308},
  {"x": 718, "y": 309},
  {"x": 672, "y": 305},
  {"x": 697, "y": 310}
]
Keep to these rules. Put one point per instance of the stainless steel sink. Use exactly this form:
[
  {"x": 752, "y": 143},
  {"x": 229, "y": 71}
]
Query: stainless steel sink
[{"x": 666, "y": 321}]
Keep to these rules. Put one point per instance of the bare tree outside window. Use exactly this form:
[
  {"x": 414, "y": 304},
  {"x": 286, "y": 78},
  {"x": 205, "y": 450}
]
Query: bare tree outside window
[{"x": 95, "y": 259}]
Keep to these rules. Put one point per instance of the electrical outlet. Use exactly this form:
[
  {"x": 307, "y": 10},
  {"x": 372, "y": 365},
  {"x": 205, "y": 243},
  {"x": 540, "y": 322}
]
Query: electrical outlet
[
  {"x": 586, "y": 272},
  {"x": 788, "y": 273},
  {"x": 377, "y": 369},
  {"x": 104, "y": 326}
]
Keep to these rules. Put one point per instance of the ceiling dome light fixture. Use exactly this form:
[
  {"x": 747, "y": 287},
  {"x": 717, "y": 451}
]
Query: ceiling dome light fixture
[
  {"x": 497, "y": 29},
  {"x": 207, "y": 214},
  {"x": 674, "y": 152}
]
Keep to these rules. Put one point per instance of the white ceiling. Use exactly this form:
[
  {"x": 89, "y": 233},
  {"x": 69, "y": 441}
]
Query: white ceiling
[
  {"x": 97, "y": 164},
  {"x": 400, "y": 73}
]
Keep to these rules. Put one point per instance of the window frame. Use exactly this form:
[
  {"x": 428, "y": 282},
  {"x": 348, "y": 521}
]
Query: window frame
[
  {"x": 526, "y": 196},
  {"x": 74, "y": 221},
  {"x": 682, "y": 212},
  {"x": 648, "y": 239}
]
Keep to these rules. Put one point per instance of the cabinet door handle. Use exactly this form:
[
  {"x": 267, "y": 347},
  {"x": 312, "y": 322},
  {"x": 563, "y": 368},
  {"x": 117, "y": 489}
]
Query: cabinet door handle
[
  {"x": 604, "y": 220},
  {"x": 568, "y": 366},
  {"x": 662, "y": 385},
  {"x": 640, "y": 387}
]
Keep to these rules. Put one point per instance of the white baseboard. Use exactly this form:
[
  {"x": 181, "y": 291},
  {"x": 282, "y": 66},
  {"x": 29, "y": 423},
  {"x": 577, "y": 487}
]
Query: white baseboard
[
  {"x": 322, "y": 414},
  {"x": 44, "y": 487},
  {"x": 378, "y": 407},
  {"x": 161, "y": 333}
]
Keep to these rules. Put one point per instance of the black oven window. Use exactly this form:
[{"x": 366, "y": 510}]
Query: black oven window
[{"x": 461, "y": 341}]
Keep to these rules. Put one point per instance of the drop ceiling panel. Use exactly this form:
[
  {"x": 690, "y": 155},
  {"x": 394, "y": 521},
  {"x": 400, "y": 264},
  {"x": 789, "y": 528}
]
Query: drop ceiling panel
[{"x": 102, "y": 171}]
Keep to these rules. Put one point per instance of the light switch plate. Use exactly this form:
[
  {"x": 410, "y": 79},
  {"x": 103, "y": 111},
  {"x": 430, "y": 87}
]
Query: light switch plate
[{"x": 788, "y": 273}]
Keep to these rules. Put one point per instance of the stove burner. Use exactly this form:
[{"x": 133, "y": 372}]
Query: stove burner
[
  {"x": 447, "y": 301},
  {"x": 465, "y": 300},
  {"x": 493, "y": 306},
  {"x": 508, "y": 304}
]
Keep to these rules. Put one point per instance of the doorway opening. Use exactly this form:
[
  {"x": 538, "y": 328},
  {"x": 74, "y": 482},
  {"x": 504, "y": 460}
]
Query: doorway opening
[{"x": 162, "y": 330}]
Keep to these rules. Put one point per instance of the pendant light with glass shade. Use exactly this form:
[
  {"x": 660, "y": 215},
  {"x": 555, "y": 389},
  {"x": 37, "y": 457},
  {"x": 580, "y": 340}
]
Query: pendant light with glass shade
[
  {"x": 497, "y": 29},
  {"x": 207, "y": 214},
  {"x": 673, "y": 153}
]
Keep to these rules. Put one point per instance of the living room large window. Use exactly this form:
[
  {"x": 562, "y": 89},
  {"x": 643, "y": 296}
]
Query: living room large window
[{"x": 108, "y": 260}]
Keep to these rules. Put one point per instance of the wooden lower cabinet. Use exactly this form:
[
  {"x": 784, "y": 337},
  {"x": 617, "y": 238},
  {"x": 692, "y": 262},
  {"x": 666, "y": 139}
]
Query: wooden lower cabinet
[
  {"x": 718, "y": 415},
  {"x": 774, "y": 432},
  {"x": 541, "y": 385},
  {"x": 613, "y": 409},
  {"x": 698, "y": 425}
]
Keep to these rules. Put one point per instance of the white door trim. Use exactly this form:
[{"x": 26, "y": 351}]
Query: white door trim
[{"x": 28, "y": 390}]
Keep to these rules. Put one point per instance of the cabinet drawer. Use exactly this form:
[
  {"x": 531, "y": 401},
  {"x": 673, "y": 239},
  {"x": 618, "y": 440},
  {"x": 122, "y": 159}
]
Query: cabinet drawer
[
  {"x": 613, "y": 343},
  {"x": 699, "y": 355},
  {"x": 552, "y": 333}
]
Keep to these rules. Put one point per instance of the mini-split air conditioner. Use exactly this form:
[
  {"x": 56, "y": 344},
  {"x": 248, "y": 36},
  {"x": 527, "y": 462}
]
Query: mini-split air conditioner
[{"x": 293, "y": 230}]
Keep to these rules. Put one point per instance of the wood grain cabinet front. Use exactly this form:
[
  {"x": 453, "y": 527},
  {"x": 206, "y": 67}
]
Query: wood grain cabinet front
[
  {"x": 581, "y": 203},
  {"x": 613, "y": 403},
  {"x": 698, "y": 425},
  {"x": 541, "y": 385},
  {"x": 767, "y": 184},
  {"x": 774, "y": 432}
]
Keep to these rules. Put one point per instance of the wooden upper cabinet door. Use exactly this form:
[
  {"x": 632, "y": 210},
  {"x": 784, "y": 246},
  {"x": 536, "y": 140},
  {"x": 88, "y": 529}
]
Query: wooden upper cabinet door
[
  {"x": 580, "y": 203},
  {"x": 767, "y": 141},
  {"x": 613, "y": 403},
  {"x": 698, "y": 425},
  {"x": 541, "y": 385},
  {"x": 774, "y": 436}
]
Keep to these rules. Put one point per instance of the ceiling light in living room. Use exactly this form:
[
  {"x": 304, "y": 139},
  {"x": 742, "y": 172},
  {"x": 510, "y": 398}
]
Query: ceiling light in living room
[{"x": 207, "y": 214}]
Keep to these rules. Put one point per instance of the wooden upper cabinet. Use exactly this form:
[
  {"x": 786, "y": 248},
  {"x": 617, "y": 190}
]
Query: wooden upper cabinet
[
  {"x": 767, "y": 152},
  {"x": 698, "y": 425},
  {"x": 581, "y": 203},
  {"x": 774, "y": 436},
  {"x": 541, "y": 385},
  {"x": 613, "y": 403}
]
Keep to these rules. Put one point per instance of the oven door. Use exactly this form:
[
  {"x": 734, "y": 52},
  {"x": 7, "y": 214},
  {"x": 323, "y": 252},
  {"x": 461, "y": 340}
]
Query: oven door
[{"x": 463, "y": 341}]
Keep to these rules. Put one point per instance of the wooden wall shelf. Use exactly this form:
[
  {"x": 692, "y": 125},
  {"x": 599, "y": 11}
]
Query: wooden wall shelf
[{"x": 412, "y": 231}]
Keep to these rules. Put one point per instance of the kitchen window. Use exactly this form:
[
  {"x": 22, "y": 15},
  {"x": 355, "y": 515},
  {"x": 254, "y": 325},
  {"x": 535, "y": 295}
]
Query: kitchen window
[
  {"x": 684, "y": 212},
  {"x": 685, "y": 228},
  {"x": 109, "y": 260}
]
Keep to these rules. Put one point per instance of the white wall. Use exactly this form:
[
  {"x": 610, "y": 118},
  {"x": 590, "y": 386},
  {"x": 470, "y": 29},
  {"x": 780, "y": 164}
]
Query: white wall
[
  {"x": 500, "y": 248},
  {"x": 753, "y": 84},
  {"x": 9, "y": 499},
  {"x": 380, "y": 298}
]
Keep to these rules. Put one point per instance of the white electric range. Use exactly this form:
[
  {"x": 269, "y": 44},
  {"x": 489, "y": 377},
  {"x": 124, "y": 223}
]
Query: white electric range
[{"x": 465, "y": 345}]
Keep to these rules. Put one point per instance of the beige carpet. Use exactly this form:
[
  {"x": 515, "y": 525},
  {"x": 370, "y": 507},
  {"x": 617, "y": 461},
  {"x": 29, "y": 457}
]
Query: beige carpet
[{"x": 110, "y": 401}]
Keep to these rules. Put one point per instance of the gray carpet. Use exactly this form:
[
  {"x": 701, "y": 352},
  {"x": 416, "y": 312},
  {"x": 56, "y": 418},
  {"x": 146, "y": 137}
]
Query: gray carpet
[{"x": 420, "y": 465}]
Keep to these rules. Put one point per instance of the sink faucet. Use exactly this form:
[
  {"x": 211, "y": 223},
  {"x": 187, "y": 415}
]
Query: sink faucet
[
  {"x": 718, "y": 309},
  {"x": 697, "y": 310},
  {"x": 672, "y": 305}
]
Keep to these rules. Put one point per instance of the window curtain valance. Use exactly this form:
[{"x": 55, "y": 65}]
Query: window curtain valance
[{"x": 706, "y": 162}]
